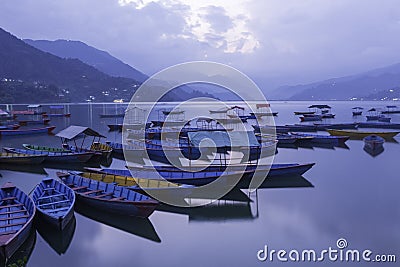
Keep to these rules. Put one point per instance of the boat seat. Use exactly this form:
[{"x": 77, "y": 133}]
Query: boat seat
[
  {"x": 49, "y": 188},
  {"x": 10, "y": 206},
  {"x": 11, "y": 212},
  {"x": 53, "y": 203},
  {"x": 104, "y": 195},
  {"x": 12, "y": 224},
  {"x": 117, "y": 198},
  {"x": 16, "y": 217},
  {"x": 92, "y": 192},
  {"x": 79, "y": 188},
  {"x": 8, "y": 232},
  {"x": 46, "y": 197},
  {"x": 8, "y": 198},
  {"x": 59, "y": 209}
]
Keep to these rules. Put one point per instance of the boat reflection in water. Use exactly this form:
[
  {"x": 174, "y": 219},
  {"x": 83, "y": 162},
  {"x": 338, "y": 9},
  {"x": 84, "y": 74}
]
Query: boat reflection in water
[
  {"x": 22, "y": 255},
  {"x": 133, "y": 225},
  {"x": 236, "y": 205},
  {"x": 59, "y": 240},
  {"x": 374, "y": 152}
]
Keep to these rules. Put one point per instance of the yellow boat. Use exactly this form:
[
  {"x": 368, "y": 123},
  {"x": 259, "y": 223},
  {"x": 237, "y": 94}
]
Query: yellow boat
[
  {"x": 355, "y": 134},
  {"x": 131, "y": 181}
]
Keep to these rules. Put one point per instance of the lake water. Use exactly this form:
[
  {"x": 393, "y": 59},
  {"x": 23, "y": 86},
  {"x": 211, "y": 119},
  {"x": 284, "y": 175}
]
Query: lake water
[{"x": 348, "y": 194}]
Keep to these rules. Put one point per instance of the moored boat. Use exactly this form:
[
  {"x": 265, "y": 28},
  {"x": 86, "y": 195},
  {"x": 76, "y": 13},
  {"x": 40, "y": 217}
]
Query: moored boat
[
  {"x": 361, "y": 134},
  {"x": 324, "y": 139},
  {"x": 16, "y": 158},
  {"x": 373, "y": 142},
  {"x": 17, "y": 211},
  {"x": 357, "y": 111},
  {"x": 64, "y": 157},
  {"x": 47, "y": 130},
  {"x": 109, "y": 197},
  {"x": 54, "y": 202}
]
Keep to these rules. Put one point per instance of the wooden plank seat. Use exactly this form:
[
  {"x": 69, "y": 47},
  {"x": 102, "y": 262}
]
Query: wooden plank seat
[
  {"x": 49, "y": 188},
  {"x": 79, "y": 188},
  {"x": 53, "y": 203},
  {"x": 12, "y": 205},
  {"x": 16, "y": 217},
  {"x": 12, "y": 212},
  {"x": 104, "y": 195},
  {"x": 46, "y": 197},
  {"x": 8, "y": 232},
  {"x": 59, "y": 209},
  {"x": 92, "y": 192},
  {"x": 117, "y": 198},
  {"x": 12, "y": 224},
  {"x": 8, "y": 198}
]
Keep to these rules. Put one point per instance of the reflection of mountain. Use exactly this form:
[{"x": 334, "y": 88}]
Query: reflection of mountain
[
  {"x": 136, "y": 226},
  {"x": 21, "y": 256},
  {"x": 58, "y": 240}
]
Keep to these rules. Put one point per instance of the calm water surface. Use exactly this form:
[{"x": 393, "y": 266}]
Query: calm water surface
[{"x": 347, "y": 194}]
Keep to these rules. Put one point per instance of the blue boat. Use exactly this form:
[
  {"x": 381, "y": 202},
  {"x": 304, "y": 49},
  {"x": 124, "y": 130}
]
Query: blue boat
[
  {"x": 109, "y": 197},
  {"x": 203, "y": 175},
  {"x": 64, "y": 157},
  {"x": 54, "y": 202},
  {"x": 17, "y": 211},
  {"x": 373, "y": 142},
  {"x": 46, "y": 130},
  {"x": 323, "y": 139}
]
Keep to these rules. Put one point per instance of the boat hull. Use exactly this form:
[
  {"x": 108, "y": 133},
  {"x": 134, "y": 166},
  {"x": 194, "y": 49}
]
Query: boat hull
[
  {"x": 47, "y": 130},
  {"x": 362, "y": 134}
]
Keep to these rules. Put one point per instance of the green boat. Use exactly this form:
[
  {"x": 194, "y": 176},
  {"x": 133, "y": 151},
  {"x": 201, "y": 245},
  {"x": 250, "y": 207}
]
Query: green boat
[{"x": 45, "y": 148}]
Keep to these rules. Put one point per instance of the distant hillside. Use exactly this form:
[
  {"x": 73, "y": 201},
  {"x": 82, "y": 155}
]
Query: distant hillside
[
  {"x": 99, "y": 59},
  {"x": 29, "y": 75},
  {"x": 344, "y": 88}
]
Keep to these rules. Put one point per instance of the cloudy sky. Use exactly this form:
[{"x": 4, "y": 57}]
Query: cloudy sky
[{"x": 274, "y": 42}]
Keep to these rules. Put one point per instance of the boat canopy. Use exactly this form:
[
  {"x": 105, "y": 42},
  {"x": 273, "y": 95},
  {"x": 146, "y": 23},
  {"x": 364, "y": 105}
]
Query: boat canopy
[
  {"x": 74, "y": 131},
  {"x": 3, "y": 113},
  {"x": 223, "y": 139},
  {"x": 372, "y": 109},
  {"x": 358, "y": 108},
  {"x": 237, "y": 107},
  {"x": 319, "y": 106},
  {"x": 57, "y": 107}
]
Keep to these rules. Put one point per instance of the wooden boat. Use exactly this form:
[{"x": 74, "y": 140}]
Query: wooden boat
[
  {"x": 54, "y": 202},
  {"x": 15, "y": 158},
  {"x": 373, "y": 142},
  {"x": 45, "y": 148},
  {"x": 324, "y": 139},
  {"x": 311, "y": 118},
  {"x": 373, "y": 114},
  {"x": 379, "y": 125},
  {"x": 99, "y": 149},
  {"x": 220, "y": 111},
  {"x": 57, "y": 111},
  {"x": 281, "y": 137},
  {"x": 201, "y": 175},
  {"x": 47, "y": 130},
  {"x": 23, "y": 253},
  {"x": 361, "y": 134},
  {"x": 262, "y": 114},
  {"x": 17, "y": 211},
  {"x": 391, "y": 110},
  {"x": 142, "y": 185},
  {"x": 304, "y": 112},
  {"x": 160, "y": 123},
  {"x": 383, "y": 118},
  {"x": 9, "y": 126},
  {"x": 340, "y": 126},
  {"x": 64, "y": 157},
  {"x": 33, "y": 122},
  {"x": 357, "y": 111},
  {"x": 109, "y": 197},
  {"x": 328, "y": 116}
]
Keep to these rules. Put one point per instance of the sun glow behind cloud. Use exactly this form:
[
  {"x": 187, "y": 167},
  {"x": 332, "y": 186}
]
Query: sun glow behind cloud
[{"x": 221, "y": 24}]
